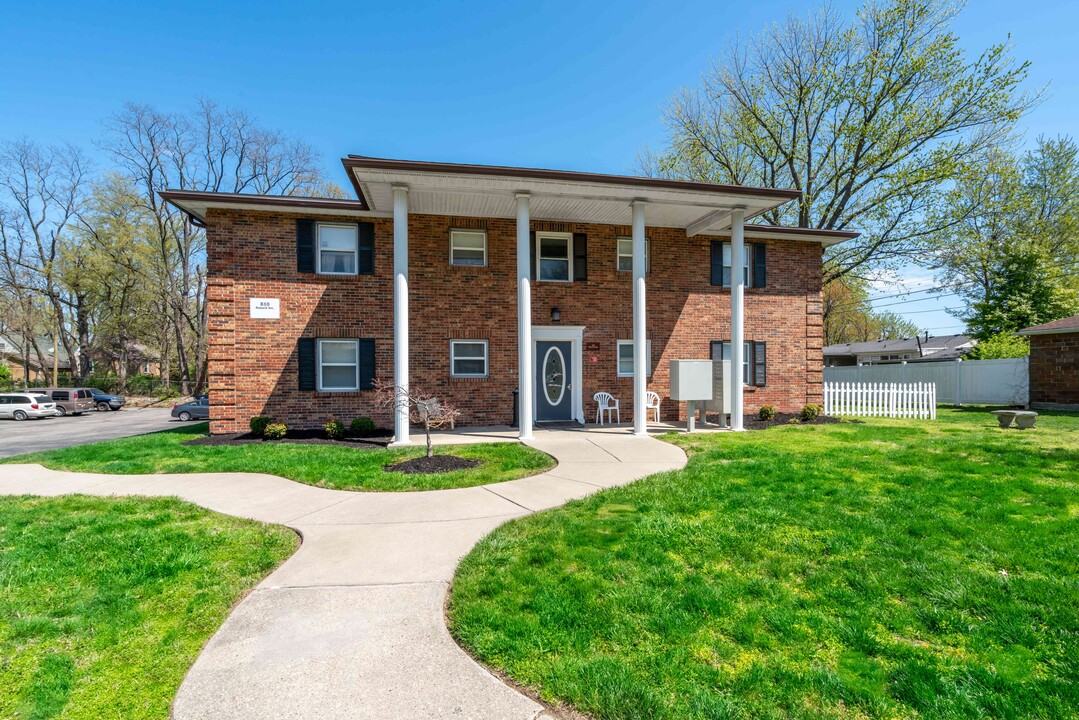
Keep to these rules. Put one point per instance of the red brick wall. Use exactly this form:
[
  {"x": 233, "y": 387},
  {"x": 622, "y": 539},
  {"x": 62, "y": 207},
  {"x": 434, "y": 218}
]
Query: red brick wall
[
  {"x": 1054, "y": 370},
  {"x": 253, "y": 362}
]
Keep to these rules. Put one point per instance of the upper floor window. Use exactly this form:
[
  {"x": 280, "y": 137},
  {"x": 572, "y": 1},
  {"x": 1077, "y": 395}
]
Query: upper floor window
[
  {"x": 753, "y": 267},
  {"x": 554, "y": 253},
  {"x": 625, "y": 255},
  {"x": 468, "y": 247},
  {"x": 338, "y": 248}
]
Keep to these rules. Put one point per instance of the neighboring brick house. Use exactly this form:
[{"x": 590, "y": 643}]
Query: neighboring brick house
[
  {"x": 331, "y": 267},
  {"x": 1054, "y": 364}
]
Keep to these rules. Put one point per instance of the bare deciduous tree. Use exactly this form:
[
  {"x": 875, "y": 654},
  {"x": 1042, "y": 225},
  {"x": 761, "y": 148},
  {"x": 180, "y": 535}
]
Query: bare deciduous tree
[{"x": 426, "y": 409}]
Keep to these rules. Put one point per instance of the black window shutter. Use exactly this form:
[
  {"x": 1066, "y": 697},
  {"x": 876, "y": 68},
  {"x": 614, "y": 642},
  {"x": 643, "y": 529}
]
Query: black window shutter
[
  {"x": 717, "y": 349},
  {"x": 759, "y": 265},
  {"x": 305, "y": 354},
  {"x": 532, "y": 255},
  {"x": 580, "y": 256},
  {"x": 760, "y": 364},
  {"x": 305, "y": 246},
  {"x": 367, "y": 363},
  {"x": 365, "y": 261},
  {"x": 717, "y": 262}
]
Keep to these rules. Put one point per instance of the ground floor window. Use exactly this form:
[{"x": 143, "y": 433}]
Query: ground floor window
[
  {"x": 338, "y": 365},
  {"x": 754, "y": 360},
  {"x": 625, "y": 358},
  {"x": 468, "y": 358}
]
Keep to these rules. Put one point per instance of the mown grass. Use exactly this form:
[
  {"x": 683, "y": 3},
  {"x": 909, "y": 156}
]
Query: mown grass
[
  {"x": 105, "y": 603},
  {"x": 881, "y": 570},
  {"x": 330, "y": 466}
]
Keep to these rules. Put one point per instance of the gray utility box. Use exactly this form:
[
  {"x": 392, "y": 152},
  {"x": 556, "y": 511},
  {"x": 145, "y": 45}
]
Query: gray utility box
[
  {"x": 700, "y": 383},
  {"x": 721, "y": 396}
]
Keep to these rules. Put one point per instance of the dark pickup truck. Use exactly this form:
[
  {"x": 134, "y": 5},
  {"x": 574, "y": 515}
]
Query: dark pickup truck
[{"x": 103, "y": 401}]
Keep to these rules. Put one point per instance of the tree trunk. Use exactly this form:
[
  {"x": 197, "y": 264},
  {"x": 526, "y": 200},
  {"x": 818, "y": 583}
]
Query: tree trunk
[
  {"x": 427, "y": 430},
  {"x": 82, "y": 328}
]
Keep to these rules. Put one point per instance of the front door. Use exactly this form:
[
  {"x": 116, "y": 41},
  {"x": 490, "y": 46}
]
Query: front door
[{"x": 554, "y": 391}]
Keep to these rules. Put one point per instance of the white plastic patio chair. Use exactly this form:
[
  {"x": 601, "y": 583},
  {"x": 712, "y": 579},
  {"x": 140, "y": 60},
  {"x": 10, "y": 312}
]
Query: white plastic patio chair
[
  {"x": 606, "y": 403},
  {"x": 651, "y": 402}
]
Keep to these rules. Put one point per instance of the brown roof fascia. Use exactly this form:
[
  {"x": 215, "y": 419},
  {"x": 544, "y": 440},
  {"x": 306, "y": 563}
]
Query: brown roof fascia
[{"x": 361, "y": 161}]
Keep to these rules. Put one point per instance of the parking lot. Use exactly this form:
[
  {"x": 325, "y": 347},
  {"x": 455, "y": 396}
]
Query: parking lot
[{"x": 51, "y": 433}]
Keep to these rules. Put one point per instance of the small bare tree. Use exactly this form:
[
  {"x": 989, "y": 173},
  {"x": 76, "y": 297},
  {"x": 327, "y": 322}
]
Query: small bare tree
[{"x": 424, "y": 408}]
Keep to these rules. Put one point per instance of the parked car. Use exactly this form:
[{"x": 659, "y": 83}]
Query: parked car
[
  {"x": 197, "y": 409},
  {"x": 69, "y": 401},
  {"x": 104, "y": 401},
  {"x": 20, "y": 406}
]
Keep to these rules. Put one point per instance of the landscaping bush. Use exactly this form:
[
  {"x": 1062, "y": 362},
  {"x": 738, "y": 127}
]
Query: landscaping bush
[
  {"x": 363, "y": 427},
  {"x": 811, "y": 412},
  {"x": 258, "y": 425},
  {"x": 767, "y": 412},
  {"x": 275, "y": 431},
  {"x": 335, "y": 430}
]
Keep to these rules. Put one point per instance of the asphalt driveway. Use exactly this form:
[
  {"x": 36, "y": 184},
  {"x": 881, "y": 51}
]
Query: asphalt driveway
[{"x": 51, "y": 433}]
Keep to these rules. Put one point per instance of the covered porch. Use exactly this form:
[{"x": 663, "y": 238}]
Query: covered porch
[{"x": 398, "y": 189}]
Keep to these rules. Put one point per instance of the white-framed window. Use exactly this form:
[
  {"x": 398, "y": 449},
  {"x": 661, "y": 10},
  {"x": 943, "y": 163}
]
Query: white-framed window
[
  {"x": 747, "y": 358},
  {"x": 554, "y": 257},
  {"x": 625, "y": 358},
  {"x": 338, "y": 365},
  {"x": 468, "y": 358},
  {"x": 468, "y": 247},
  {"x": 338, "y": 248},
  {"x": 625, "y": 255},
  {"x": 754, "y": 360},
  {"x": 747, "y": 274}
]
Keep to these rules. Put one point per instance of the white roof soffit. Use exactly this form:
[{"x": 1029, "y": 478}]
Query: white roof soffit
[{"x": 488, "y": 191}]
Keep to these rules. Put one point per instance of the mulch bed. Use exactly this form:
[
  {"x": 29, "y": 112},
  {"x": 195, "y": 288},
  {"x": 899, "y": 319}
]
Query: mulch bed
[
  {"x": 434, "y": 464},
  {"x": 312, "y": 436},
  {"x": 752, "y": 422}
]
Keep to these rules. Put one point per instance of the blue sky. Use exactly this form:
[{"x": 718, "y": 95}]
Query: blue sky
[{"x": 573, "y": 85}]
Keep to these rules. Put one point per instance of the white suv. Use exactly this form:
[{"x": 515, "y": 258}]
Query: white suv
[{"x": 18, "y": 406}]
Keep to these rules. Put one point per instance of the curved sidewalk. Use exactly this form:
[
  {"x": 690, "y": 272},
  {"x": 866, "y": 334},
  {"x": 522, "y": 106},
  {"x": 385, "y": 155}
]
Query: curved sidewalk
[{"x": 351, "y": 626}]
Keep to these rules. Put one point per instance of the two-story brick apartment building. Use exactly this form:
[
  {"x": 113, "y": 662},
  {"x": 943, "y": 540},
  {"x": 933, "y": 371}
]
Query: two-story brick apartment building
[{"x": 461, "y": 279}]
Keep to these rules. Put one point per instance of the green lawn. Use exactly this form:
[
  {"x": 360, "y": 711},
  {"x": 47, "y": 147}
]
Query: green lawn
[
  {"x": 330, "y": 466},
  {"x": 892, "y": 569},
  {"x": 105, "y": 603}
]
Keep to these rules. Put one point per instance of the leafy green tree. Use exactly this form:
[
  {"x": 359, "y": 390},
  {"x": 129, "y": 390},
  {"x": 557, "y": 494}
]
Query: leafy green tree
[
  {"x": 999, "y": 346},
  {"x": 849, "y": 316},
  {"x": 1009, "y": 244},
  {"x": 870, "y": 117}
]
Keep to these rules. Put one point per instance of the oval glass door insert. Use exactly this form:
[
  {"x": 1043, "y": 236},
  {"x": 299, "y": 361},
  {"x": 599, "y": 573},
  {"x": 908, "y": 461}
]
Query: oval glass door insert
[{"x": 554, "y": 376}]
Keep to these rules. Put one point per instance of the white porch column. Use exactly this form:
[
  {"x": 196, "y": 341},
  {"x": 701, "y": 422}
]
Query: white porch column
[
  {"x": 400, "y": 313},
  {"x": 640, "y": 341},
  {"x": 525, "y": 381},
  {"x": 738, "y": 287}
]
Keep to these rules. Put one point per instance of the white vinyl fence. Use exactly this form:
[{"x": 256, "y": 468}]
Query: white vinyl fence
[
  {"x": 980, "y": 382},
  {"x": 893, "y": 400}
]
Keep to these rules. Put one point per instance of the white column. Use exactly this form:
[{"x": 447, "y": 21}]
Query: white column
[
  {"x": 640, "y": 341},
  {"x": 738, "y": 288},
  {"x": 525, "y": 381},
  {"x": 400, "y": 313}
]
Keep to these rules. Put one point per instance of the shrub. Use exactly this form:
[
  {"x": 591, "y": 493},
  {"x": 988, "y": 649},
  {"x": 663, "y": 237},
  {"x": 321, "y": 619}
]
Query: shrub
[
  {"x": 767, "y": 412},
  {"x": 811, "y": 412},
  {"x": 258, "y": 425},
  {"x": 275, "y": 431},
  {"x": 334, "y": 429},
  {"x": 363, "y": 427}
]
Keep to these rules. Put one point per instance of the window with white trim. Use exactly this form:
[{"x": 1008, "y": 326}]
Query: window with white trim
[
  {"x": 554, "y": 256},
  {"x": 338, "y": 248},
  {"x": 468, "y": 358},
  {"x": 747, "y": 253},
  {"x": 625, "y": 358},
  {"x": 754, "y": 360},
  {"x": 338, "y": 365},
  {"x": 625, "y": 255},
  {"x": 468, "y": 247}
]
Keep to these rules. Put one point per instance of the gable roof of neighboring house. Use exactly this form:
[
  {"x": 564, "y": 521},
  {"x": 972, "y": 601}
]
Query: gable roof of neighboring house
[
  {"x": 463, "y": 190},
  {"x": 1063, "y": 325},
  {"x": 11, "y": 349},
  {"x": 938, "y": 347}
]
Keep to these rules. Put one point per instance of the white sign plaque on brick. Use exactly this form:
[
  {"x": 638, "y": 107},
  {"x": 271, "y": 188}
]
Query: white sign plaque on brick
[{"x": 265, "y": 308}]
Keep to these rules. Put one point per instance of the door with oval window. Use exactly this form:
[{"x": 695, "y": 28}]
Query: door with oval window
[{"x": 554, "y": 378}]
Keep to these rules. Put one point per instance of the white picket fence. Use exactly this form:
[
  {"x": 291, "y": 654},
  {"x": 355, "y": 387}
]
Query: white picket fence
[{"x": 894, "y": 400}]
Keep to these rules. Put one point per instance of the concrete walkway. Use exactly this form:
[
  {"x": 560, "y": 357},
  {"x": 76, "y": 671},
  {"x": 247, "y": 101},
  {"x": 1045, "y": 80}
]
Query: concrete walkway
[{"x": 351, "y": 626}]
